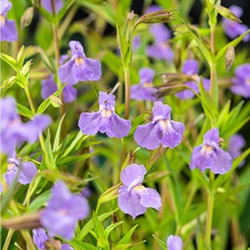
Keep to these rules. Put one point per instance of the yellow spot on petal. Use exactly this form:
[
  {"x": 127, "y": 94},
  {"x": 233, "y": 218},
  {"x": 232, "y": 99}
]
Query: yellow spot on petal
[
  {"x": 164, "y": 124},
  {"x": 139, "y": 188},
  {"x": 10, "y": 165},
  {"x": 2, "y": 19},
  {"x": 147, "y": 84},
  {"x": 106, "y": 113},
  {"x": 79, "y": 61},
  {"x": 206, "y": 149}
]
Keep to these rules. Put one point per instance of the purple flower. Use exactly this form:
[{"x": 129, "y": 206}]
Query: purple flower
[
  {"x": 241, "y": 81},
  {"x": 134, "y": 198},
  {"x": 210, "y": 155},
  {"x": 174, "y": 243},
  {"x": 86, "y": 192},
  {"x": 40, "y": 237},
  {"x": 105, "y": 120},
  {"x": 27, "y": 173},
  {"x": 47, "y": 5},
  {"x": 7, "y": 28},
  {"x": 234, "y": 29},
  {"x": 49, "y": 87},
  {"x": 153, "y": 8},
  {"x": 136, "y": 43},
  {"x": 161, "y": 130},
  {"x": 236, "y": 143},
  {"x": 63, "y": 212},
  {"x": 13, "y": 131},
  {"x": 79, "y": 67},
  {"x": 144, "y": 90},
  {"x": 191, "y": 67},
  {"x": 160, "y": 49}
]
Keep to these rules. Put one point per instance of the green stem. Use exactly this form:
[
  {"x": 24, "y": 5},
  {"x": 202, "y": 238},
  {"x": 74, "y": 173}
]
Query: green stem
[
  {"x": 8, "y": 239},
  {"x": 210, "y": 206},
  {"x": 32, "y": 106},
  {"x": 127, "y": 92},
  {"x": 214, "y": 89}
]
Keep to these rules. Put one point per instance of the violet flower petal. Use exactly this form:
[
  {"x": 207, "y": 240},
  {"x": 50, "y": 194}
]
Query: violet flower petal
[
  {"x": 148, "y": 136},
  {"x": 8, "y": 31},
  {"x": 39, "y": 237},
  {"x": 172, "y": 136},
  {"x": 151, "y": 198},
  {"x": 133, "y": 175},
  {"x": 69, "y": 94},
  {"x": 118, "y": 127},
  {"x": 89, "y": 123},
  {"x": 48, "y": 87},
  {"x": 27, "y": 173},
  {"x": 129, "y": 203},
  {"x": 174, "y": 243},
  {"x": 47, "y": 5},
  {"x": 222, "y": 161},
  {"x": 58, "y": 224}
]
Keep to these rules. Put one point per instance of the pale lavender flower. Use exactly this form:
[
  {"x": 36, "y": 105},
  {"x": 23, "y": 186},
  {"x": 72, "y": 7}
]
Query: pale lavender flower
[
  {"x": 191, "y": 67},
  {"x": 79, "y": 67},
  {"x": 136, "y": 43},
  {"x": 174, "y": 243},
  {"x": 236, "y": 143},
  {"x": 49, "y": 87},
  {"x": 13, "y": 131},
  {"x": 234, "y": 29},
  {"x": 27, "y": 173},
  {"x": 63, "y": 211},
  {"x": 160, "y": 49},
  {"x": 144, "y": 90},
  {"x": 210, "y": 155},
  {"x": 47, "y": 5},
  {"x": 86, "y": 192},
  {"x": 241, "y": 81},
  {"x": 161, "y": 130},
  {"x": 105, "y": 120},
  {"x": 39, "y": 237},
  {"x": 134, "y": 198},
  {"x": 153, "y": 8},
  {"x": 8, "y": 29}
]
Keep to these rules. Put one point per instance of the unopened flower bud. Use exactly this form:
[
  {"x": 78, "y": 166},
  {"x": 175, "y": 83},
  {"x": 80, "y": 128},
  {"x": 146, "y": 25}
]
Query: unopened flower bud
[{"x": 230, "y": 54}]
